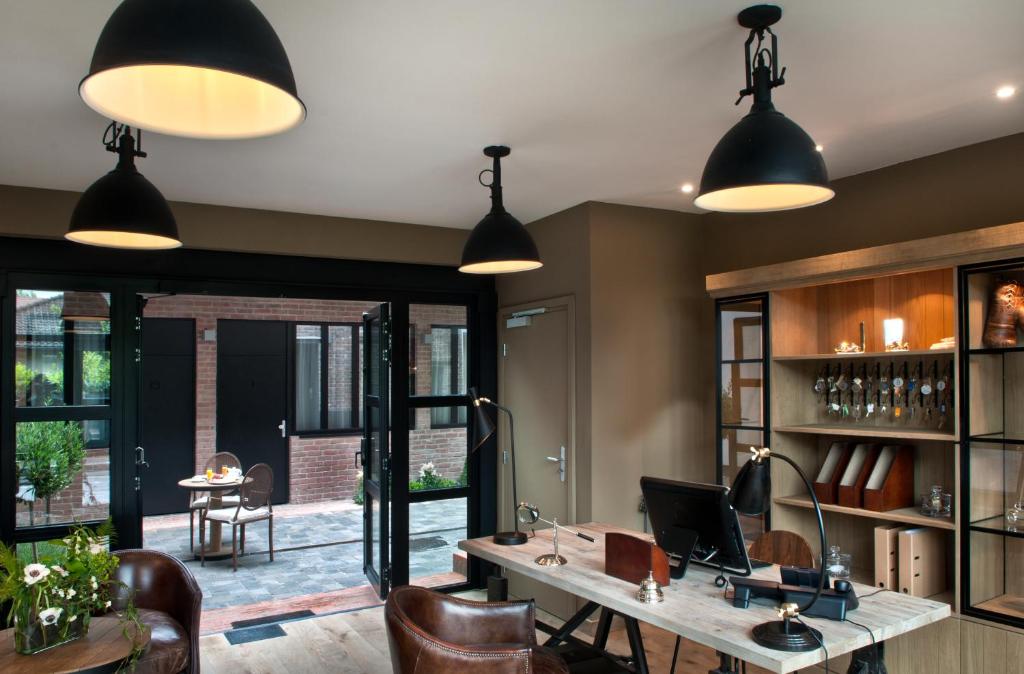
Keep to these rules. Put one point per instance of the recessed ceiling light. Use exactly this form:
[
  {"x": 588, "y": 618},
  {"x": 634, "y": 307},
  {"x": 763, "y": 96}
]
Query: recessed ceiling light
[
  {"x": 687, "y": 188},
  {"x": 1006, "y": 91},
  {"x": 819, "y": 148}
]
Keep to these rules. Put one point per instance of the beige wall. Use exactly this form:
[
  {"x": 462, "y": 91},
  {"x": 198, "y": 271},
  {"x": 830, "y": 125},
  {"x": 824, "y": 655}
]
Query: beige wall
[
  {"x": 27, "y": 211},
  {"x": 637, "y": 278},
  {"x": 649, "y": 329},
  {"x": 966, "y": 188}
]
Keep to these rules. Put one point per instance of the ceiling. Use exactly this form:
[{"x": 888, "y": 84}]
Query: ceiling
[{"x": 603, "y": 100}]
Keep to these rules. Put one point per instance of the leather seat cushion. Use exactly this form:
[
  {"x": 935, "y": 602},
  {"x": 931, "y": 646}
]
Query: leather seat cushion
[
  {"x": 228, "y": 515},
  {"x": 168, "y": 650}
]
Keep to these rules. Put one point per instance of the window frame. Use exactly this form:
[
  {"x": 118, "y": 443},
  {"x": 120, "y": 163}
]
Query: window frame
[
  {"x": 453, "y": 331},
  {"x": 324, "y": 430}
]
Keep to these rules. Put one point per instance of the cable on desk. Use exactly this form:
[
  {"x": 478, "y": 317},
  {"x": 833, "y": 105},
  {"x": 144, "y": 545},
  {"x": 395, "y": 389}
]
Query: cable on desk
[
  {"x": 821, "y": 642},
  {"x": 879, "y": 665}
]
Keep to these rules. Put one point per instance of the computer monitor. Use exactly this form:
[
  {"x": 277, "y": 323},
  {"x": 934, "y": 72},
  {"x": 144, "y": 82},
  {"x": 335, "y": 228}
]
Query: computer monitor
[{"x": 696, "y": 516}]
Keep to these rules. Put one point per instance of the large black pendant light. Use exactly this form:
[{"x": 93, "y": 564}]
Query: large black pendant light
[
  {"x": 766, "y": 162},
  {"x": 123, "y": 209},
  {"x": 499, "y": 244},
  {"x": 196, "y": 68}
]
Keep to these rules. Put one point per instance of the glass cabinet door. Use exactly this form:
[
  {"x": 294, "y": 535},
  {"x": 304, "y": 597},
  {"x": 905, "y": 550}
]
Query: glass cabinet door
[
  {"x": 741, "y": 376},
  {"x": 992, "y": 425}
]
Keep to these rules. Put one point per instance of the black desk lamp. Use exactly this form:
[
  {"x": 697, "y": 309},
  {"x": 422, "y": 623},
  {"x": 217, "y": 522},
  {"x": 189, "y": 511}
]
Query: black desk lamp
[
  {"x": 483, "y": 428},
  {"x": 751, "y": 494}
]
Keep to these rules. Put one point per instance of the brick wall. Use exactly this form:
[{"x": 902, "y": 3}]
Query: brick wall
[{"x": 321, "y": 468}]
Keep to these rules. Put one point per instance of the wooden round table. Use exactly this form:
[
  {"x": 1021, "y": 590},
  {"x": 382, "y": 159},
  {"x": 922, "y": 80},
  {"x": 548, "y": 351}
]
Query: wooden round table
[
  {"x": 102, "y": 650},
  {"x": 214, "y": 550}
]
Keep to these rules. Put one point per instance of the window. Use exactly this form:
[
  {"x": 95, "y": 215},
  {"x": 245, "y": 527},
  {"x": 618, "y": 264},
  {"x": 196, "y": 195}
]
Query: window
[
  {"x": 327, "y": 382},
  {"x": 448, "y": 372}
]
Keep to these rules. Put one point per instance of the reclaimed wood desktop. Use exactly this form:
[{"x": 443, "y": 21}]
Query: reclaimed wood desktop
[{"x": 696, "y": 609}]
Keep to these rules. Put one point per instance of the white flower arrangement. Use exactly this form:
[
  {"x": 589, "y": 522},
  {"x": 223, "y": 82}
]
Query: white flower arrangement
[
  {"x": 35, "y": 573},
  {"x": 50, "y": 616}
]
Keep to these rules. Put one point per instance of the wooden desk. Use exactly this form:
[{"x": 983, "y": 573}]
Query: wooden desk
[
  {"x": 102, "y": 650},
  {"x": 696, "y": 609}
]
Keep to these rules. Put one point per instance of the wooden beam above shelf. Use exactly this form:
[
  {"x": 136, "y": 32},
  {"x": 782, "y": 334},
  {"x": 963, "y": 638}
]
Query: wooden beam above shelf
[
  {"x": 904, "y": 515},
  {"x": 913, "y": 353},
  {"x": 851, "y": 431}
]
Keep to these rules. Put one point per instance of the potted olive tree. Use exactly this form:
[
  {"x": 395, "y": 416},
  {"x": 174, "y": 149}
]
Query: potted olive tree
[{"x": 50, "y": 455}]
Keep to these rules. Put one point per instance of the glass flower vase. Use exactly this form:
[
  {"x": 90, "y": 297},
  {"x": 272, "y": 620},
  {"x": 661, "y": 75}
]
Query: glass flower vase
[{"x": 34, "y": 636}]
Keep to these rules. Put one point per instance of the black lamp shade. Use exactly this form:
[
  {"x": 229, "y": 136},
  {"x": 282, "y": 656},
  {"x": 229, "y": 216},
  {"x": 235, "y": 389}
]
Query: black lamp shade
[
  {"x": 483, "y": 427},
  {"x": 766, "y": 162},
  {"x": 124, "y": 210},
  {"x": 499, "y": 244},
  {"x": 751, "y": 491},
  {"x": 196, "y": 68}
]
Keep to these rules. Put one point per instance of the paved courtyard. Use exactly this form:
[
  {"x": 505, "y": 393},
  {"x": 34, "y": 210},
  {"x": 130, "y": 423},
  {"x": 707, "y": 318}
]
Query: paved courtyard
[{"x": 317, "y": 548}]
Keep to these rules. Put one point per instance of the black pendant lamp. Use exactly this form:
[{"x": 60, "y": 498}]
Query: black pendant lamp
[
  {"x": 499, "y": 244},
  {"x": 123, "y": 209},
  {"x": 766, "y": 162},
  {"x": 195, "y": 68}
]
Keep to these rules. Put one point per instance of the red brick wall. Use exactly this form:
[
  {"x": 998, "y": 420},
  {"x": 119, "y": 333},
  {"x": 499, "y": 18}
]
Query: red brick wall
[{"x": 321, "y": 468}]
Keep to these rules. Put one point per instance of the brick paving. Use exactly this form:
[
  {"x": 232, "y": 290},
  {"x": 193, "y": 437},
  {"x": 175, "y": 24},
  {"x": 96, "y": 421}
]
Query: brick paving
[{"x": 335, "y": 560}]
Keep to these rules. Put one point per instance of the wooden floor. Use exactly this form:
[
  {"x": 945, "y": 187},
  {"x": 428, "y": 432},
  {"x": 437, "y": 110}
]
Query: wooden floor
[{"x": 357, "y": 642}]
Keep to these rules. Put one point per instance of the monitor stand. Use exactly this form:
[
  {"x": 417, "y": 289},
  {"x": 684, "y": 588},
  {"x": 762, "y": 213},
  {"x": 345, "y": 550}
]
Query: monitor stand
[{"x": 679, "y": 543}]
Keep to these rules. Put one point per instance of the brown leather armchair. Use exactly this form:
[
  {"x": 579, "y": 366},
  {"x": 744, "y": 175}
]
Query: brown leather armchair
[
  {"x": 430, "y": 632},
  {"x": 169, "y": 601}
]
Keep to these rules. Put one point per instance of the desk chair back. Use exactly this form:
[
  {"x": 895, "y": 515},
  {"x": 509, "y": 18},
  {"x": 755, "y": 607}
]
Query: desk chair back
[
  {"x": 783, "y": 548},
  {"x": 257, "y": 486}
]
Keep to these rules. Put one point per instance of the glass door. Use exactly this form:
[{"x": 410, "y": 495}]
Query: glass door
[
  {"x": 65, "y": 454},
  {"x": 742, "y": 374},
  {"x": 375, "y": 452}
]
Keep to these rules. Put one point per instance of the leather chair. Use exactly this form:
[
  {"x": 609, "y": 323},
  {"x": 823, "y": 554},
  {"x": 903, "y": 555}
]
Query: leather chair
[
  {"x": 169, "y": 601},
  {"x": 430, "y": 632}
]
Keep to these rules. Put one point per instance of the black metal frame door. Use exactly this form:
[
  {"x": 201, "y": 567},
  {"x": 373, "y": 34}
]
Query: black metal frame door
[{"x": 375, "y": 452}]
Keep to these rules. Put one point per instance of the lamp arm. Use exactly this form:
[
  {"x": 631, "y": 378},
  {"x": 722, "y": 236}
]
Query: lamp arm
[
  {"x": 821, "y": 527},
  {"x": 512, "y": 455}
]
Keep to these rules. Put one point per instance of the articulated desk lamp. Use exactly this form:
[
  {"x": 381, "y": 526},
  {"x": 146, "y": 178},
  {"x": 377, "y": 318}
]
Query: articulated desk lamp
[
  {"x": 751, "y": 494},
  {"x": 482, "y": 430}
]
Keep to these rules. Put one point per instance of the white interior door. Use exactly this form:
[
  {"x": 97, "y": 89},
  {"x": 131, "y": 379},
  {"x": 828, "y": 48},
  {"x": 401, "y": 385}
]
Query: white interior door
[{"x": 536, "y": 379}]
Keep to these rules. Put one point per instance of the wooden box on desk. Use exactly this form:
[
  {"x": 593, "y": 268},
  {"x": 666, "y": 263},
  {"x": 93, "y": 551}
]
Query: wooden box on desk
[
  {"x": 891, "y": 484},
  {"x": 631, "y": 559}
]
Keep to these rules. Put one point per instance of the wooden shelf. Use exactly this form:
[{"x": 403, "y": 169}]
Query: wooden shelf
[
  {"x": 1006, "y": 604},
  {"x": 913, "y": 353},
  {"x": 904, "y": 515},
  {"x": 852, "y": 431}
]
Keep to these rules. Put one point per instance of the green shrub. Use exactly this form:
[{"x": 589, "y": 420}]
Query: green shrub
[{"x": 49, "y": 455}]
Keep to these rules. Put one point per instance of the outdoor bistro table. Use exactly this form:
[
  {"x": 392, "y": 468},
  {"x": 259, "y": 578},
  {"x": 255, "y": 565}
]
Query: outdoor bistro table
[{"x": 216, "y": 489}]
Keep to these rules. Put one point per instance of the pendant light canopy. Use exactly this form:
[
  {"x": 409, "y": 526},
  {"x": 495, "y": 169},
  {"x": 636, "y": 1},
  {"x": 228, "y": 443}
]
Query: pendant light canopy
[
  {"x": 195, "y": 68},
  {"x": 123, "y": 209},
  {"x": 499, "y": 244},
  {"x": 766, "y": 162}
]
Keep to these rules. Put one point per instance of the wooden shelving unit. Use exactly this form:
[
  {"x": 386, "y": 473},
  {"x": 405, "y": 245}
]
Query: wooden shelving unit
[
  {"x": 903, "y": 515},
  {"x": 806, "y": 323},
  {"x": 854, "y": 431}
]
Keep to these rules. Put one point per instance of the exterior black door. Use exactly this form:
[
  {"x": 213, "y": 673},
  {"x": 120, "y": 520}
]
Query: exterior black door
[
  {"x": 252, "y": 398},
  {"x": 375, "y": 451},
  {"x": 168, "y": 409}
]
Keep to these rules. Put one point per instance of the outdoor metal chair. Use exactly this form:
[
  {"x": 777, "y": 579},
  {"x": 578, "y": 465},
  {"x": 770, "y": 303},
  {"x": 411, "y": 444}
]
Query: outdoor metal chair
[
  {"x": 254, "y": 506},
  {"x": 199, "y": 501}
]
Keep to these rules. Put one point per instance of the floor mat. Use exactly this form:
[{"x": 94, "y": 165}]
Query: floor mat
[
  {"x": 426, "y": 543},
  {"x": 250, "y": 634}
]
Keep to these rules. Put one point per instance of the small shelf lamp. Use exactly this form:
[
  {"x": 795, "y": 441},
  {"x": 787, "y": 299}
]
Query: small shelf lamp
[
  {"x": 751, "y": 494},
  {"x": 483, "y": 428}
]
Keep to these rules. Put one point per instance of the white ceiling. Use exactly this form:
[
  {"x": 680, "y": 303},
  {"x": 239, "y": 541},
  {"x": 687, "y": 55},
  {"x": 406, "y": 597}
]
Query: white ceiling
[{"x": 608, "y": 100}]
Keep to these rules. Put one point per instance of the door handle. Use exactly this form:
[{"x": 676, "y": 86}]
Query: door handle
[
  {"x": 283, "y": 427},
  {"x": 357, "y": 458},
  {"x": 140, "y": 458},
  {"x": 560, "y": 460}
]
